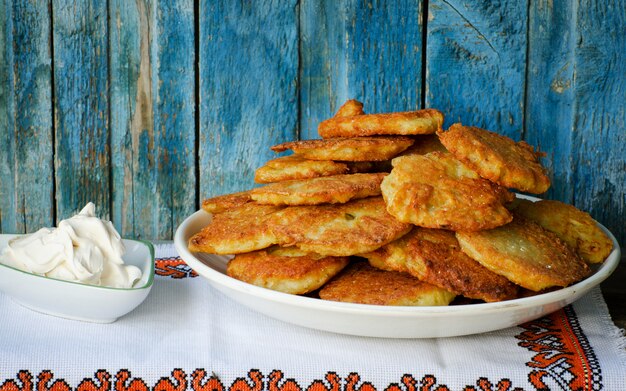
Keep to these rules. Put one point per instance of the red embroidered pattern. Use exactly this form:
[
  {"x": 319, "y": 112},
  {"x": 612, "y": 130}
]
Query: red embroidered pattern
[
  {"x": 254, "y": 381},
  {"x": 563, "y": 353},
  {"x": 173, "y": 267}
]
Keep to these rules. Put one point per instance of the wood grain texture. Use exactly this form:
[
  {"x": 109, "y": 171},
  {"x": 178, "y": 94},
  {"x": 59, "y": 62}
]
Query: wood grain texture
[
  {"x": 599, "y": 124},
  {"x": 8, "y": 204},
  {"x": 174, "y": 117},
  {"x": 576, "y": 108},
  {"x": 367, "y": 50},
  {"x": 248, "y": 97},
  {"x": 550, "y": 92},
  {"x": 475, "y": 63},
  {"x": 152, "y": 116},
  {"x": 163, "y": 137},
  {"x": 81, "y": 114},
  {"x": 132, "y": 118},
  {"x": 26, "y": 170}
]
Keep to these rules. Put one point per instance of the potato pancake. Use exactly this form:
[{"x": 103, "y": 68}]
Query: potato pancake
[
  {"x": 339, "y": 230},
  {"x": 323, "y": 190},
  {"x": 238, "y": 230},
  {"x": 227, "y": 201},
  {"x": 435, "y": 256},
  {"x": 426, "y": 121},
  {"x": 352, "y": 149},
  {"x": 286, "y": 270},
  {"x": 296, "y": 167},
  {"x": 497, "y": 158},
  {"x": 364, "y": 284},
  {"x": 575, "y": 227},
  {"x": 526, "y": 254},
  {"x": 424, "y": 144},
  {"x": 438, "y": 191}
]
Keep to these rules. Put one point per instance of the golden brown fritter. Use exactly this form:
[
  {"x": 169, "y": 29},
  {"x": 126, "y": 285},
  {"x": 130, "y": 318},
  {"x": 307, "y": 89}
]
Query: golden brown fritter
[
  {"x": 238, "y": 230},
  {"x": 286, "y": 270},
  {"x": 426, "y": 121},
  {"x": 575, "y": 227},
  {"x": 437, "y": 191},
  {"x": 526, "y": 254},
  {"x": 331, "y": 189},
  {"x": 435, "y": 256},
  {"x": 339, "y": 230},
  {"x": 497, "y": 158},
  {"x": 364, "y": 284},
  {"x": 227, "y": 201},
  {"x": 425, "y": 144},
  {"x": 351, "y": 149},
  {"x": 350, "y": 108},
  {"x": 296, "y": 167}
]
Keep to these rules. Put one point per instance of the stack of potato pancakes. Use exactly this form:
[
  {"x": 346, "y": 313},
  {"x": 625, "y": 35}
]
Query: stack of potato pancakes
[{"x": 389, "y": 209}]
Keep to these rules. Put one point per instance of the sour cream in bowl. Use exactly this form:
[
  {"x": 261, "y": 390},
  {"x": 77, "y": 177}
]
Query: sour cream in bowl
[{"x": 80, "y": 270}]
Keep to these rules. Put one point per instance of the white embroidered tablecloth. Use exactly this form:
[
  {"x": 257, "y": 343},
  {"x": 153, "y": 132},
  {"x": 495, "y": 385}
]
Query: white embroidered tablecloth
[{"x": 189, "y": 336}]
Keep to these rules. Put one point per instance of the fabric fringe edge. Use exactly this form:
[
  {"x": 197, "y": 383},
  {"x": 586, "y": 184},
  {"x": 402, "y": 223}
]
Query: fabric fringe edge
[{"x": 612, "y": 330}]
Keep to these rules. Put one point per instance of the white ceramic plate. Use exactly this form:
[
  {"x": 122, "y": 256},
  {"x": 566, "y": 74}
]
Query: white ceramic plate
[
  {"x": 77, "y": 301},
  {"x": 381, "y": 321}
]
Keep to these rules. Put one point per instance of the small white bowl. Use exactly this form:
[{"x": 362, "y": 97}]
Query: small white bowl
[{"x": 78, "y": 301}]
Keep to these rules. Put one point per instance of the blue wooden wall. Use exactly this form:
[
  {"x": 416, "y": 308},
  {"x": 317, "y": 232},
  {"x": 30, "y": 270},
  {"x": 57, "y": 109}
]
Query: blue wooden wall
[{"x": 146, "y": 107}]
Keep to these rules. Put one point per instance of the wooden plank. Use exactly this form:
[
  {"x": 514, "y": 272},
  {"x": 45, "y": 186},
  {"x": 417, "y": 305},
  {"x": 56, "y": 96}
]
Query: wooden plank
[
  {"x": 599, "y": 123},
  {"x": 26, "y": 170},
  {"x": 368, "y": 50},
  {"x": 153, "y": 116},
  {"x": 549, "y": 103},
  {"x": 132, "y": 120},
  {"x": 248, "y": 97},
  {"x": 475, "y": 63},
  {"x": 174, "y": 115},
  {"x": 81, "y": 115},
  {"x": 8, "y": 205},
  {"x": 577, "y": 68}
]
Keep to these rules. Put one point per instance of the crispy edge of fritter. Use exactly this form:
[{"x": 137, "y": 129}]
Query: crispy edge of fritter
[
  {"x": 225, "y": 202},
  {"x": 355, "y": 227},
  {"x": 350, "y": 108},
  {"x": 435, "y": 256},
  {"x": 294, "y": 167},
  {"x": 424, "y": 144},
  {"x": 497, "y": 158},
  {"x": 356, "y": 149},
  {"x": 330, "y": 189},
  {"x": 238, "y": 230},
  {"x": 425, "y": 121},
  {"x": 364, "y": 284},
  {"x": 285, "y": 271},
  {"x": 574, "y": 226},
  {"x": 437, "y": 191},
  {"x": 526, "y": 254}
]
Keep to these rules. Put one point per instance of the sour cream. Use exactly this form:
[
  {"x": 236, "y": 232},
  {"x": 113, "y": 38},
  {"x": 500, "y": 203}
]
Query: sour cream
[{"x": 82, "y": 249}]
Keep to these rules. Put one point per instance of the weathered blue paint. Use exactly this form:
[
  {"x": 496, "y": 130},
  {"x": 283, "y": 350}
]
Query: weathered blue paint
[
  {"x": 153, "y": 116},
  {"x": 26, "y": 170},
  {"x": 131, "y": 116},
  {"x": 174, "y": 115},
  {"x": 368, "y": 50},
  {"x": 476, "y": 63},
  {"x": 551, "y": 72},
  {"x": 248, "y": 97},
  {"x": 577, "y": 71},
  {"x": 8, "y": 205},
  {"x": 599, "y": 114},
  {"x": 550, "y": 92},
  {"x": 81, "y": 114}
]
